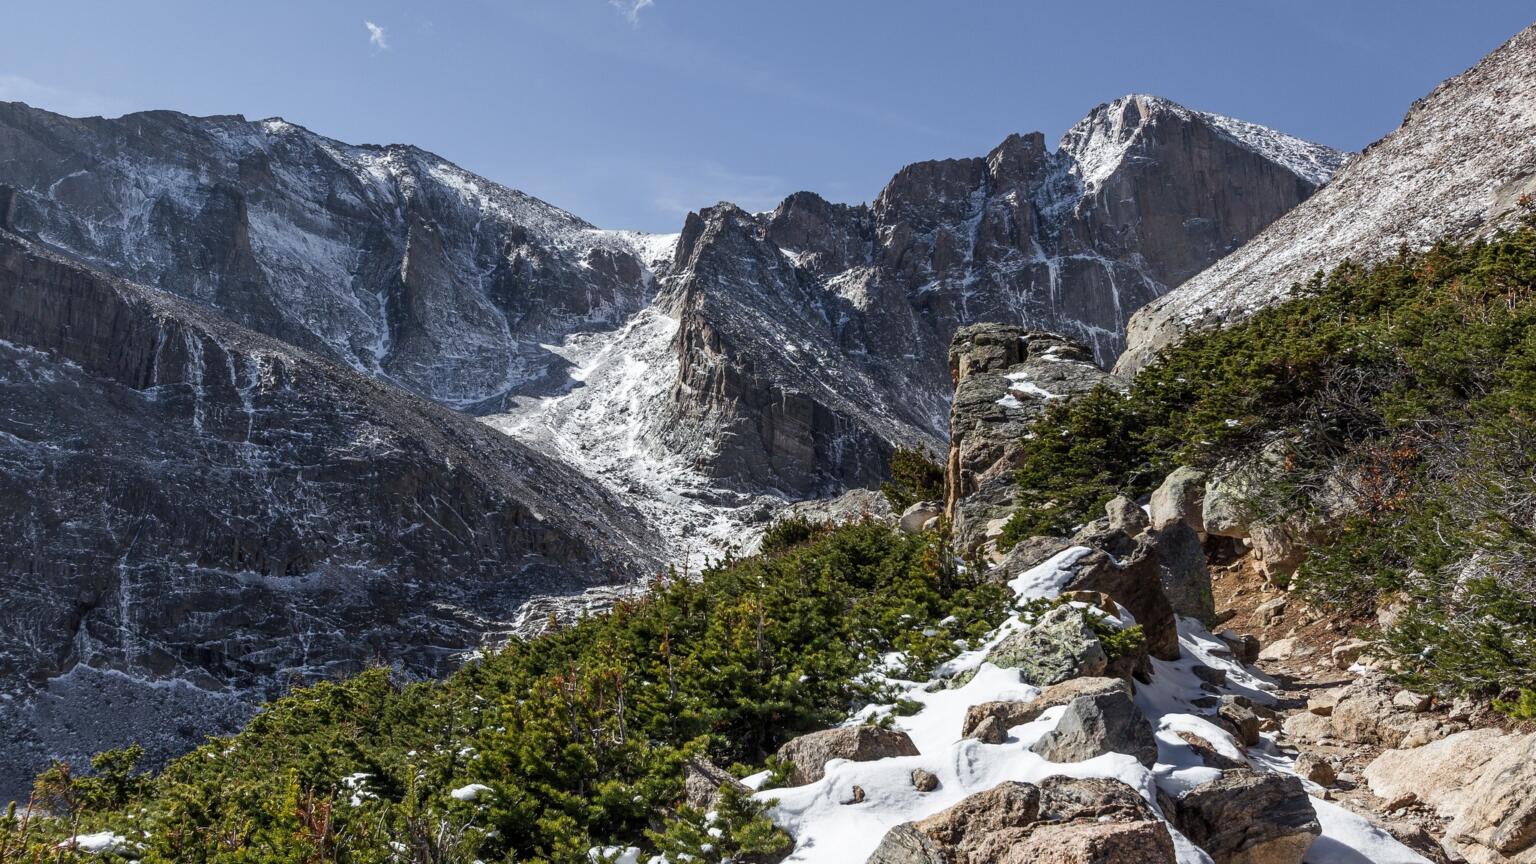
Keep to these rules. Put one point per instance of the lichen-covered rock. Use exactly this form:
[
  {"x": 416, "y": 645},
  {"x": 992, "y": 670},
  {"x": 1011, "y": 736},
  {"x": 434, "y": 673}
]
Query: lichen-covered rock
[
  {"x": 809, "y": 754},
  {"x": 1058, "y": 647},
  {"x": 1180, "y": 498}
]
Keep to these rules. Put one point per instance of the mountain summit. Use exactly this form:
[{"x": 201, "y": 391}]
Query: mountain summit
[{"x": 1456, "y": 167}]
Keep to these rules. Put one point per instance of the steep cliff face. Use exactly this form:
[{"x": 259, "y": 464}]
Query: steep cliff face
[
  {"x": 387, "y": 259},
  {"x": 193, "y": 516},
  {"x": 1457, "y": 166},
  {"x": 813, "y": 337}
]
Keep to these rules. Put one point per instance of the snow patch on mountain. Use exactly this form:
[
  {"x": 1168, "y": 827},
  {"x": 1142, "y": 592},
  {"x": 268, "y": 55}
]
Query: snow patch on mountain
[
  {"x": 604, "y": 425},
  {"x": 1101, "y": 141}
]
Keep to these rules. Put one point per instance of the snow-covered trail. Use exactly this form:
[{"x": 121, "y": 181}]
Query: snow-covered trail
[{"x": 827, "y": 830}]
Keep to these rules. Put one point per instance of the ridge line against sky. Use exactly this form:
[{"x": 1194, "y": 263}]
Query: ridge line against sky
[{"x": 630, "y": 113}]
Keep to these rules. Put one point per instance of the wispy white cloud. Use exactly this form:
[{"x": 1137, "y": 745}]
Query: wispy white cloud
[
  {"x": 19, "y": 88},
  {"x": 631, "y": 8},
  {"x": 376, "y": 36}
]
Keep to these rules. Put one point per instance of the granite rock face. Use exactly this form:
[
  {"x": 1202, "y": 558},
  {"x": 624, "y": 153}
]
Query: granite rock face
[
  {"x": 194, "y": 516},
  {"x": 1457, "y": 167},
  {"x": 819, "y": 331}
]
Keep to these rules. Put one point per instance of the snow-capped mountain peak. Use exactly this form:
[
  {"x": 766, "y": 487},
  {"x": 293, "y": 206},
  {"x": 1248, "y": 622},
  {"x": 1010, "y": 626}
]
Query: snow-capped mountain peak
[{"x": 1105, "y": 137}]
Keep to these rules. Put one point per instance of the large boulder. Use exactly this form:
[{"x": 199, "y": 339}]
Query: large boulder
[
  {"x": 1245, "y": 817},
  {"x": 915, "y": 517},
  {"x": 1134, "y": 581},
  {"x": 1438, "y": 773},
  {"x": 1279, "y": 547},
  {"x": 1026, "y": 555},
  {"x": 1182, "y": 572},
  {"x": 1497, "y": 824},
  {"x": 1061, "y": 821},
  {"x": 810, "y": 753},
  {"x": 1012, "y": 714},
  {"x": 1092, "y": 725},
  {"x": 1180, "y": 498},
  {"x": 1223, "y": 511},
  {"x": 1058, "y": 647},
  {"x": 1126, "y": 516}
]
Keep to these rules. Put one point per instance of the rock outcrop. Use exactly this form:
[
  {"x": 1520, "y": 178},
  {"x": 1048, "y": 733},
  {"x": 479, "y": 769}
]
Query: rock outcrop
[
  {"x": 1011, "y": 714},
  {"x": 822, "y": 328},
  {"x": 1058, "y": 647},
  {"x": 1003, "y": 378},
  {"x": 196, "y": 516},
  {"x": 1480, "y": 780},
  {"x": 1457, "y": 166},
  {"x": 1099, "y": 723}
]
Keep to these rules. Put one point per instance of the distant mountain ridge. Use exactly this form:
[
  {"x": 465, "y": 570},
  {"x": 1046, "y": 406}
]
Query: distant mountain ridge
[
  {"x": 703, "y": 387},
  {"x": 221, "y": 342},
  {"x": 1457, "y": 167}
]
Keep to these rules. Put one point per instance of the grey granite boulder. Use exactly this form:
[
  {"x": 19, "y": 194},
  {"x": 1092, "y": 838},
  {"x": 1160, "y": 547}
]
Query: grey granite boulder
[{"x": 1093, "y": 725}]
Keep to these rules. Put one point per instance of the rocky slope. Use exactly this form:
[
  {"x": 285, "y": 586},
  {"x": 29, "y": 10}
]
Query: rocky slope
[
  {"x": 1458, "y": 166},
  {"x": 787, "y": 351},
  {"x": 195, "y": 516}
]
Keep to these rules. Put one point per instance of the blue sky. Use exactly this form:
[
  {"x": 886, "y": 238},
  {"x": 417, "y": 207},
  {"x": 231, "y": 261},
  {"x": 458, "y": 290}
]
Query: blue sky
[{"x": 631, "y": 116}]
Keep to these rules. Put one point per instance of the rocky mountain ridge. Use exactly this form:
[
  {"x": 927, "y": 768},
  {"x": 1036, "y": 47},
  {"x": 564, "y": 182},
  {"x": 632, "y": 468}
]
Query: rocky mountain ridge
[
  {"x": 300, "y": 296},
  {"x": 197, "y": 516},
  {"x": 787, "y": 352},
  {"x": 707, "y": 376},
  {"x": 1458, "y": 166}
]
